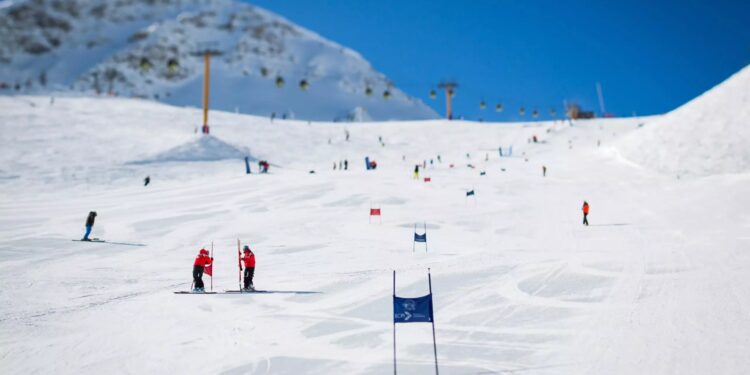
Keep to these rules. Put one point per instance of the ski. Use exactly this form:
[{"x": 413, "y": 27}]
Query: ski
[
  {"x": 246, "y": 291},
  {"x": 270, "y": 292},
  {"x": 110, "y": 242},
  {"x": 187, "y": 292}
]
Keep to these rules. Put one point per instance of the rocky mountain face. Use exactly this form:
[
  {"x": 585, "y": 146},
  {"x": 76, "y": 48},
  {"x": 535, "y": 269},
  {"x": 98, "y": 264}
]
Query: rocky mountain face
[{"x": 260, "y": 63}]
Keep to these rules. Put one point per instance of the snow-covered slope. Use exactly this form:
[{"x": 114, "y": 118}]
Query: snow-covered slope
[
  {"x": 658, "y": 284},
  {"x": 149, "y": 49},
  {"x": 708, "y": 135}
]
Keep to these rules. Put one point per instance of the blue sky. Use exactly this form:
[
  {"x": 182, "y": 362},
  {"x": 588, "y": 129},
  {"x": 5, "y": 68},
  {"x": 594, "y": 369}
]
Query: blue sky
[{"x": 650, "y": 56}]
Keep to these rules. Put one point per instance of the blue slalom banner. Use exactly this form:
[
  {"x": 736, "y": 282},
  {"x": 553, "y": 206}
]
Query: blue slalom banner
[{"x": 412, "y": 310}]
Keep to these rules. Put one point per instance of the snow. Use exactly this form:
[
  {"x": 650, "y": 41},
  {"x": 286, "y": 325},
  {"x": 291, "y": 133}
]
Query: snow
[
  {"x": 658, "y": 284},
  {"x": 708, "y": 135},
  {"x": 208, "y": 148}
]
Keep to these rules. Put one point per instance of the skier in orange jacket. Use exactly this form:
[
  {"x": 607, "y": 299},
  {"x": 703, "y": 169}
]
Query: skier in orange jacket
[{"x": 585, "y": 213}]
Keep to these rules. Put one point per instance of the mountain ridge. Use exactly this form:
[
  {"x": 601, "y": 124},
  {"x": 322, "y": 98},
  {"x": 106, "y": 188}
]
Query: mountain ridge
[{"x": 150, "y": 48}]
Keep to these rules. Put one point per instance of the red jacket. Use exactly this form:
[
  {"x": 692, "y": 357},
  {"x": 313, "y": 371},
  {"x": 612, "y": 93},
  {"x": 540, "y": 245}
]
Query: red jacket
[
  {"x": 202, "y": 260},
  {"x": 249, "y": 260},
  {"x": 585, "y": 208}
]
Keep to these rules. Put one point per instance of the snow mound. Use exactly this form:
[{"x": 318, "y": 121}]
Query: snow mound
[
  {"x": 205, "y": 148},
  {"x": 358, "y": 114},
  {"x": 708, "y": 135}
]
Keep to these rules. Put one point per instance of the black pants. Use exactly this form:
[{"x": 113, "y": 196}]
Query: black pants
[
  {"x": 585, "y": 219},
  {"x": 249, "y": 272},
  {"x": 198, "y": 277}
]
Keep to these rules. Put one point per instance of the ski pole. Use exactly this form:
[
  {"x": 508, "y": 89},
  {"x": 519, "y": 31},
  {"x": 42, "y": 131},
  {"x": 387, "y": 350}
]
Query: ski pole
[
  {"x": 239, "y": 265},
  {"x": 212, "y": 266}
]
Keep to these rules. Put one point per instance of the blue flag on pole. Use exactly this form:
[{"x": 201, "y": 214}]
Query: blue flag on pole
[
  {"x": 420, "y": 237},
  {"x": 469, "y": 193},
  {"x": 412, "y": 310}
]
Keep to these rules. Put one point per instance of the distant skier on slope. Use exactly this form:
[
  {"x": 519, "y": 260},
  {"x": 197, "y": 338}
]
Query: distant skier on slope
[
  {"x": 146, "y": 180},
  {"x": 416, "y": 171},
  {"x": 544, "y": 171},
  {"x": 248, "y": 258},
  {"x": 585, "y": 213},
  {"x": 89, "y": 225},
  {"x": 202, "y": 261}
]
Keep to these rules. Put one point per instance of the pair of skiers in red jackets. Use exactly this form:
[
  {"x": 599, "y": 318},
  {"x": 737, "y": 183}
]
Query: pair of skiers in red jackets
[{"x": 204, "y": 260}]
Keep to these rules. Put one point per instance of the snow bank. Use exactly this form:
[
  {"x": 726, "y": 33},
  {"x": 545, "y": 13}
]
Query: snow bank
[
  {"x": 205, "y": 148},
  {"x": 708, "y": 135}
]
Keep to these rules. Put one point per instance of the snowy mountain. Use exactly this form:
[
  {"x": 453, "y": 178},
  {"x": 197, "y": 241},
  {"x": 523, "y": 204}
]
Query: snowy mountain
[
  {"x": 708, "y": 135},
  {"x": 152, "y": 49}
]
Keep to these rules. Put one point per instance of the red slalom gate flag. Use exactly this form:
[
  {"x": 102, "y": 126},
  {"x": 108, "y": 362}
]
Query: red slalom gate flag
[
  {"x": 427, "y": 179},
  {"x": 208, "y": 270},
  {"x": 374, "y": 212}
]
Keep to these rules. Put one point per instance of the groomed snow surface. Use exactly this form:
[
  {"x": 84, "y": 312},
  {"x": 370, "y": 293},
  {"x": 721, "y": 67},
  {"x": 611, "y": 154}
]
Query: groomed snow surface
[{"x": 658, "y": 284}]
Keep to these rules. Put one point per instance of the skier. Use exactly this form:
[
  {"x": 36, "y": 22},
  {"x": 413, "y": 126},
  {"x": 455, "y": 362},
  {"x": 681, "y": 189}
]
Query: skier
[
  {"x": 585, "y": 213},
  {"x": 89, "y": 224},
  {"x": 146, "y": 181},
  {"x": 346, "y": 165},
  {"x": 416, "y": 171},
  {"x": 202, "y": 261},
  {"x": 263, "y": 166},
  {"x": 500, "y": 150},
  {"x": 248, "y": 258},
  {"x": 544, "y": 171}
]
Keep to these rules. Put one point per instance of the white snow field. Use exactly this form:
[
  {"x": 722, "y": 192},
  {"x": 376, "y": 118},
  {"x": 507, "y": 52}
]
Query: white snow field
[{"x": 658, "y": 284}]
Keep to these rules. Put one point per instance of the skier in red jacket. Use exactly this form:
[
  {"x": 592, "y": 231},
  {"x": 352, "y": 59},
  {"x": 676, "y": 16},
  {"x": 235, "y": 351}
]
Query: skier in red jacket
[
  {"x": 249, "y": 259},
  {"x": 585, "y": 213},
  {"x": 202, "y": 261}
]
